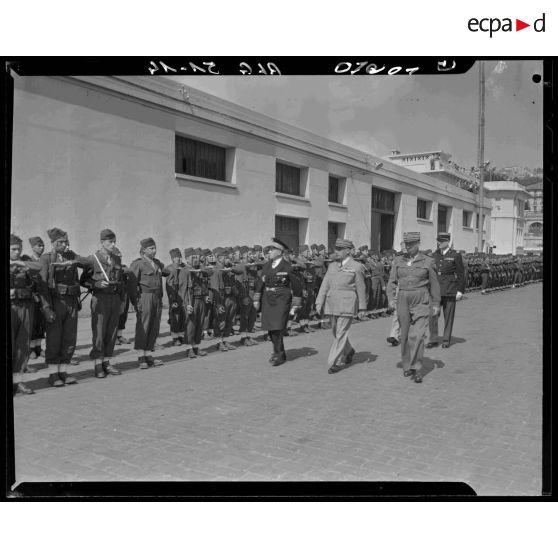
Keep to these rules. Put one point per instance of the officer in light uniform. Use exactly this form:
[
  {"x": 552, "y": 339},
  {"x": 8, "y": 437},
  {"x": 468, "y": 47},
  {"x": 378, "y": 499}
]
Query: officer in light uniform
[
  {"x": 415, "y": 275},
  {"x": 342, "y": 296}
]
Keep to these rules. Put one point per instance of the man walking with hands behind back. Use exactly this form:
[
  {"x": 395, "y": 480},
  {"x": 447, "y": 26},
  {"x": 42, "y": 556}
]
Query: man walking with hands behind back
[{"x": 341, "y": 296}]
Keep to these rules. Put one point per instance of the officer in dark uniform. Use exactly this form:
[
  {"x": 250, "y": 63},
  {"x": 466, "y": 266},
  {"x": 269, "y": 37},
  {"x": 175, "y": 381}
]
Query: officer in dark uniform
[
  {"x": 59, "y": 272},
  {"x": 449, "y": 267},
  {"x": 278, "y": 292},
  {"x": 146, "y": 295},
  {"x": 195, "y": 295},
  {"x": 39, "y": 325},
  {"x": 105, "y": 279},
  {"x": 25, "y": 282},
  {"x": 177, "y": 316}
]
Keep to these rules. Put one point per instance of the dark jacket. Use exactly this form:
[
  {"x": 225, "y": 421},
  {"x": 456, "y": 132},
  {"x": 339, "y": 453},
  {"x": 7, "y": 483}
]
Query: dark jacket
[{"x": 451, "y": 272}]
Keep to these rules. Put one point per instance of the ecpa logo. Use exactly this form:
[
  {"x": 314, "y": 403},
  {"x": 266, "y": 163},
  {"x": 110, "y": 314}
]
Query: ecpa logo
[{"x": 494, "y": 24}]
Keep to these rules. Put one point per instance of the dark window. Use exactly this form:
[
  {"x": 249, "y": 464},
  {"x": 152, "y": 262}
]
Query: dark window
[
  {"x": 197, "y": 158},
  {"x": 466, "y": 218},
  {"x": 422, "y": 209},
  {"x": 287, "y": 224},
  {"x": 477, "y": 225},
  {"x": 333, "y": 229},
  {"x": 383, "y": 200},
  {"x": 442, "y": 218},
  {"x": 333, "y": 194},
  {"x": 287, "y": 179}
]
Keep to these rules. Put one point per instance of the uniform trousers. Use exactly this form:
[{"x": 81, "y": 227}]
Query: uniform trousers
[
  {"x": 395, "y": 330},
  {"x": 38, "y": 323},
  {"x": 177, "y": 317},
  {"x": 124, "y": 307},
  {"x": 61, "y": 335},
  {"x": 194, "y": 323},
  {"x": 447, "y": 303},
  {"x": 413, "y": 310},
  {"x": 376, "y": 293},
  {"x": 148, "y": 321},
  {"x": 248, "y": 315},
  {"x": 223, "y": 323},
  {"x": 276, "y": 337},
  {"x": 341, "y": 345},
  {"x": 21, "y": 319},
  {"x": 105, "y": 315},
  {"x": 484, "y": 280}
]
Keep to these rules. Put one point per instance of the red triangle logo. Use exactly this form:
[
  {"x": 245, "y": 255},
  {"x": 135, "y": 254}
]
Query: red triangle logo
[{"x": 519, "y": 25}]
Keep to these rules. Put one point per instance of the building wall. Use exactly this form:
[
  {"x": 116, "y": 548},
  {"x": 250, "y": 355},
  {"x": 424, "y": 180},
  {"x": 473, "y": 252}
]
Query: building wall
[{"x": 85, "y": 158}]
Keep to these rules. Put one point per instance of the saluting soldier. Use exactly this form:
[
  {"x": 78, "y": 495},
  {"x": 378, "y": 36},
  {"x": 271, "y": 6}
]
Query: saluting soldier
[
  {"x": 342, "y": 296},
  {"x": 25, "y": 282},
  {"x": 250, "y": 269},
  {"x": 449, "y": 267},
  {"x": 39, "y": 324},
  {"x": 278, "y": 292},
  {"x": 105, "y": 279},
  {"x": 59, "y": 271},
  {"x": 177, "y": 314},
  {"x": 147, "y": 273},
  {"x": 417, "y": 280},
  {"x": 194, "y": 292}
]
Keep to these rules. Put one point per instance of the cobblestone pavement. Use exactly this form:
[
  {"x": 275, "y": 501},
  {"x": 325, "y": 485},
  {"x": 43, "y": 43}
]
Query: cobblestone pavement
[{"x": 230, "y": 416}]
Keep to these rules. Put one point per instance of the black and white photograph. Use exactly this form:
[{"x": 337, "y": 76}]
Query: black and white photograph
[{"x": 270, "y": 277}]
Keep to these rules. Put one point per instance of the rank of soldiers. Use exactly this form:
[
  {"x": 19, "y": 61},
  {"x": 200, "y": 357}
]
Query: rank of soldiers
[{"x": 209, "y": 291}]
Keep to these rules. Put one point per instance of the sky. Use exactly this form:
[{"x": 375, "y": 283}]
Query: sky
[{"x": 410, "y": 113}]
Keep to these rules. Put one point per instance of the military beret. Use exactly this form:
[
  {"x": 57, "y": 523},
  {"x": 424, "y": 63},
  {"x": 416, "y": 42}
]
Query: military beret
[
  {"x": 303, "y": 248},
  {"x": 34, "y": 240},
  {"x": 364, "y": 247},
  {"x": 219, "y": 251},
  {"x": 147, "y": 242},
  {"x": 443, "y": 237},
  {"x": 313, "y": 246},
  {"x": 343, "y": 243},
  {"x": 411, "y": 237},
  {"x": 235, "y": 249},
  {"x": 207, "y": 252},
  {"x": 257, "y": 248},
  {"x": 107, "y": 234},
  {"x": 15, "y": 239},
  {"x": 321, "y": 247},
  {"x": 175, "y": 253},
  {"x": 244, "y": 249},
  {"x": 56, "y": 234},
  {"x": 188, "y": 252}
]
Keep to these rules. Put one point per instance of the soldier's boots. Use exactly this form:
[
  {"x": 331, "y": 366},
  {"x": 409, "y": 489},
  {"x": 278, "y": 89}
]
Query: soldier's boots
[
  {"x": 67, "y": 379},
  {"x": 55, "y": 381},
  {"x": 153, "y": 361},
  {"x": 110, "y": 369},
  {"x": 248, "y": 342},
  {"x": 100, "y": 371},
  {"x": 22, "y": 389},
  {"x": 142, "y": 363}
]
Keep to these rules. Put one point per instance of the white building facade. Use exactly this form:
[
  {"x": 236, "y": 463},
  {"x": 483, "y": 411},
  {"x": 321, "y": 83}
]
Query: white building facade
[
  {"x": 508, "y": 216},
  {"x": 145, "y": 157}
]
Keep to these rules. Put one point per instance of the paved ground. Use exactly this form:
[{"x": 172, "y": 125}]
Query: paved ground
[{"x": 230, "y": 416}]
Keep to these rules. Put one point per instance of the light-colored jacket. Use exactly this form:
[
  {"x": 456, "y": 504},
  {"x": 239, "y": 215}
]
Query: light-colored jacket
[{"x": 343, "y": 290}]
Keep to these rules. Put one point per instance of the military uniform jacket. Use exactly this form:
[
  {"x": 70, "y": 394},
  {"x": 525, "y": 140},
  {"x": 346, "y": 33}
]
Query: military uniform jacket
[
  {"x": 147, "y": 277},
  {"x": 93, "y": 276},
  {"x": 450, "y": 270},
  {"x": 277, "y": 288},
  {"x": 410, "y": 275},
  {"x": 343, "y": 290},
  {"x": 194, "y": 283},
  {"x": 62, "y": 280},
  {"x": 171, "y": 285},
  {"x": 25, "y": 282}
]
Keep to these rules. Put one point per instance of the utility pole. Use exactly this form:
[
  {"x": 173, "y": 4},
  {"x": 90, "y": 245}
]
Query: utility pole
[{"x": 481, "y": 151}]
